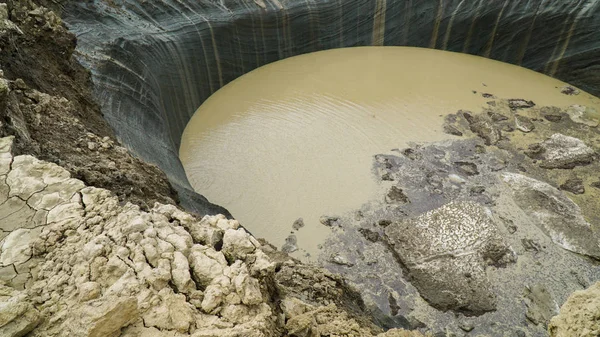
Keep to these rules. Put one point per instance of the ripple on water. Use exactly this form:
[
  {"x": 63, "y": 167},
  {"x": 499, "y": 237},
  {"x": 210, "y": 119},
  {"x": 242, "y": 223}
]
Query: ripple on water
[{"x": 296, "y": 138}]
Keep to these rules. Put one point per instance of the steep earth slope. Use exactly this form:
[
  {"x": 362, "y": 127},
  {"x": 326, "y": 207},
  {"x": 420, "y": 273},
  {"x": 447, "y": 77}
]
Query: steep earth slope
[{"x": 61, "y": 121}]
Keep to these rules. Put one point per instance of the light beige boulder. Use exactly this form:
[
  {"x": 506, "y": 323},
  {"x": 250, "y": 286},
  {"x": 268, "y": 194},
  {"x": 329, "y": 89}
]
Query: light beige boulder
[
  {"x": 579, "y": 316},
  {"x": 101, "y": 318}
]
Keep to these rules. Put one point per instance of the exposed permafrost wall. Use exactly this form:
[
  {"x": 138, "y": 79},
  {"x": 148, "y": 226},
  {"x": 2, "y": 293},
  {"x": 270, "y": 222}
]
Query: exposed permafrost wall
[{"x": 155, "y": 62}]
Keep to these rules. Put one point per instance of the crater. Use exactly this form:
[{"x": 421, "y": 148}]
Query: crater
[
  {"x": 155, "y": 63},
  {"x": 337, "y": 147}
]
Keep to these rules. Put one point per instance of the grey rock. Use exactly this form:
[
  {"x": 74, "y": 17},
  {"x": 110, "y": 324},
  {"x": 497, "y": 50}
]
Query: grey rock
[
  {"x": 393, "y": 302},
  {"x": 467, "y": 168},
  {"x": 384, "y": 222},
  {"x": 369, "y": 234},
  {"x": 531, "y": 245},
  {"x": 387, "y": 321},
  {"x": 524, "y": 124},
  {"x": 497, "y": 116},
  {"x": 541, "y": 306},
  {"x": 445, "y": 252},
  {"x": 414, "y": 322},
  {"x": 290, "y": 244},
  {"x": 558, "y": 216},
  {"x": 452, "y": 130},
  {"x": 466, "y": 326},
  {"x": 496, "y": 164},
  {"x": 328, "y": 220},
  {"x": 396, "y": 195},
  {"x": 477, "y": 190},
  {"x": 299, "y": 223},
  {"x": 387, "y": 177},
  {"x": 484, "y": 127},
  {"x": 562, "y": 152},
  {"x": 551, "y": 113},
  {"x": 412, "y": 154},
  {"x": 7, "y": 26},
  {"x": 456, "y": 179},
  {"x": 519, "y": 103},
  {"x": 553, "y": 117},
  {"x": 573, "y": 185},
  {"x": 583, "y": 115},
  {"x": 4, "y": 88},
  {"x": 569, "y": 90},
  {"x": 341, "y": 260}
]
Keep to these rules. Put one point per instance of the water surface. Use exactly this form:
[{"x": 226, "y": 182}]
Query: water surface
[{"x": 296, "y": 138}]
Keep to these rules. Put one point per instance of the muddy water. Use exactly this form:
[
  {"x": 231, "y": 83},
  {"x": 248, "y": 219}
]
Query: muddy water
[{"x": 296, "y": 138}]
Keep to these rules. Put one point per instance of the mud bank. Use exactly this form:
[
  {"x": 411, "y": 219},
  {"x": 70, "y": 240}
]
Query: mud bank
[{"x": 494, "y": 230}]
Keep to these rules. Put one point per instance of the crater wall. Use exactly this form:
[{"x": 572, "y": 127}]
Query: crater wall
[{"x": 155, "y": 62}]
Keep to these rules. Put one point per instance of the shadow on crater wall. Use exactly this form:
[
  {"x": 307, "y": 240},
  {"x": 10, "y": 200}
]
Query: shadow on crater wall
[{"x": 155, "y": 62}]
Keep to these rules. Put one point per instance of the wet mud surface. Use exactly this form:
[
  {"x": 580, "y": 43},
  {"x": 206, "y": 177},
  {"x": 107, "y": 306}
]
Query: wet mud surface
[{"x": 487, "y": 234}]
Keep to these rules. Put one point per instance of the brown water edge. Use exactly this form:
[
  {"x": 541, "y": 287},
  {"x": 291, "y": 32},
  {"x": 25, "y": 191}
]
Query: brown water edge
[{"x": 296, "y": 138}]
